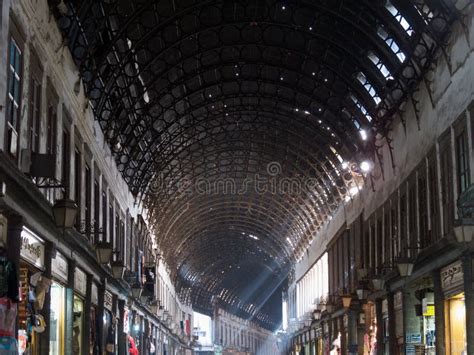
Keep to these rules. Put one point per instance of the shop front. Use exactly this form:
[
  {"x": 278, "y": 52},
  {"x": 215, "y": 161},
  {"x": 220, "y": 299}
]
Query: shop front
[
  {"x": 80, "y": 286},
  {"x": 109, "y": 333},
  {"x": 33, "y": 288},
  {"x": 57, "y": 319},
  {"x": 94, "y": 320},
  {"x": 452, "y": 284},
  {"x": 370, "y": 335},
  {"x": 419, "y": 313}
]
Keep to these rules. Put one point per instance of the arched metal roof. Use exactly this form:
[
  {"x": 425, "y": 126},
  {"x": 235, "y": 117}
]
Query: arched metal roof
[{"x": 242, "y": 124}]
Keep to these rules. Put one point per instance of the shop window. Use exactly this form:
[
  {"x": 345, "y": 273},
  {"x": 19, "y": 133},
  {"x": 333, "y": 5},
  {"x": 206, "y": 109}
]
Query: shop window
[
  {"x": 14, "y": 88},
  {"x": 57, "y": 319},
  {"x": 447, "y": 199},
  {"x": 462, "y": 161},
  {"x": 78, "y": 324}
]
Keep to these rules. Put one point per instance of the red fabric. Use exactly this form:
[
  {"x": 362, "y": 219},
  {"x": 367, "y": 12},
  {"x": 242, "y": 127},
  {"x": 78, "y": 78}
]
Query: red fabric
[
  {"x": 188, "y": 327},
  {"x": 132, "y": 349}
]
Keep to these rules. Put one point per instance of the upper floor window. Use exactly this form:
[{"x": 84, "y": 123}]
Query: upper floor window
[
  {"x": 51, "y": 126},
  {"x": 88, "y": 204},
  {"x": 34, "y": 121},
  {"x": 462, "y": 161},
  {"x": 66, "y": 159},
  {"x": 14, "y": 79}
]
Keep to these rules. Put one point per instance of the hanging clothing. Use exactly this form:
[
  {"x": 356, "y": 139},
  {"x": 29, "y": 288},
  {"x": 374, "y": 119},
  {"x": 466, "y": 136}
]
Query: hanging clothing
[{"x": 8, "y": 280}]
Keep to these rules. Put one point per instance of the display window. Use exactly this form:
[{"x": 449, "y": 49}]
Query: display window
[
  {"x": 93, "y": 343},
  {"x": 455, "y": 313},
  {"x": 77, "y": 325},
  {"x": 57, "y": 319},
  {"x": 33, "y": 289}
]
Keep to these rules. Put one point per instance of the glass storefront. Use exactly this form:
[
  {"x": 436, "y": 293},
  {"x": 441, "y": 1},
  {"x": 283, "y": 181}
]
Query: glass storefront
[
  {"x": 77, "y": 325},
  {"x": 57, "y": 319},
  {"x": 456, "y": 325}
]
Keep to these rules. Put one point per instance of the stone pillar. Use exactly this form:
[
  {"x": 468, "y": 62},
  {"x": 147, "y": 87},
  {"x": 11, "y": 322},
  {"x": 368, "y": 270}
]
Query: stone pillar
[
  {"x": 469, "y": 301},
  {"x": 86, "y": 327},
  {"x": 439, "y": 314},
  {"x": 393, "y": 348},
  {"x": 379, "y": 318}
]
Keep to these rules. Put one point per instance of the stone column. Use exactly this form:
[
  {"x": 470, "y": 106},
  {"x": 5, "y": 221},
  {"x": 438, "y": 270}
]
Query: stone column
[
  {"x": 379, "y": 318},
  {"x": 439, "y": 314},
  {"x": 469, "y": 301}
]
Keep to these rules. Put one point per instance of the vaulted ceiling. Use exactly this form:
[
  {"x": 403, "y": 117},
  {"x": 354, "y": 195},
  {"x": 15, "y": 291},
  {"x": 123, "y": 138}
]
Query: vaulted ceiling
[{"x": 244, "y": 124}]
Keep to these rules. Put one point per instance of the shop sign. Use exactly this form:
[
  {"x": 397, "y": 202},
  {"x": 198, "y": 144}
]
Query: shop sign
[
  {"x": 452, "y": 275},
  {"x": 80, "y": 281},
  {"x": 108, "y": 300},
  {"x": 414, "y": 338},
  {"x": 429, "y": 310},
  {"x": 59, "y": 267},
  {"x": 94, "y": 294},
  {"x": 32, "y": 248}
]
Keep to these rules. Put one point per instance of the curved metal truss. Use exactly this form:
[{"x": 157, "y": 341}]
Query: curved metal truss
[{"x": 243, "y": 123}]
